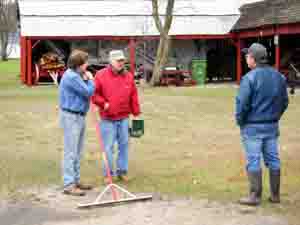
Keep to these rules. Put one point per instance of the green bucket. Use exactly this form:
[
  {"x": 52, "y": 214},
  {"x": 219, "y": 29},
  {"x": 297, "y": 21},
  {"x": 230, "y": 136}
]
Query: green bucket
[{"x": 137, "y": 128}]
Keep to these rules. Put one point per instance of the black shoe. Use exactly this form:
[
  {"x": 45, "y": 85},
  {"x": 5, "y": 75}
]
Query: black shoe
[
  {"x": 85, "y": 187},
  {"x": 73, "y": 190},
  {"x": 255, "y": 182}
]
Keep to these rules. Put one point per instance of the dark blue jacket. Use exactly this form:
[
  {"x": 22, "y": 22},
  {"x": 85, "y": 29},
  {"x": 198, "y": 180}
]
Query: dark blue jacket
[{"x": 262, "y": 98}]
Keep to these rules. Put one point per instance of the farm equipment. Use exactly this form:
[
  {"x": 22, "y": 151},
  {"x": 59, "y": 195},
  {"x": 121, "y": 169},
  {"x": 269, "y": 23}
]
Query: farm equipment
[
  {"x": 293, "y": 78},
  {"x": 49, "y": 59},
  {"x": 49, "y": 65}
]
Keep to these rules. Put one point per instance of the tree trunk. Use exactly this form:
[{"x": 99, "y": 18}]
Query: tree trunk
[
  {"x": 164, "y": 42},
  {"x": 8, "y": 23},
  {"x": 3, "y": 44},
  {"x": 161, "y": 59}
]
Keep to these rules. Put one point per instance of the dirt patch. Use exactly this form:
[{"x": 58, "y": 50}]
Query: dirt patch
[{"x": 49, "y": 207}]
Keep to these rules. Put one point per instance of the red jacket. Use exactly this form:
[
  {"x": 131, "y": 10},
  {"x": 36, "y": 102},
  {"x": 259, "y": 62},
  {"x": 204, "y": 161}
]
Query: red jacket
[{"x": 117, "y": 90}]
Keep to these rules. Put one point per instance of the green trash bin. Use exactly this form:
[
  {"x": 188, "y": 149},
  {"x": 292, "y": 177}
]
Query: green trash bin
[{"x": 199, "y": 70}]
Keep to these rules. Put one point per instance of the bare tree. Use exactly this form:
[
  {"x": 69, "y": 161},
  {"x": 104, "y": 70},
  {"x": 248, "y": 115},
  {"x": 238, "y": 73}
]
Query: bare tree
[
  {"x": 8, "y": 24},
  {"x": 164, "y": 43}
]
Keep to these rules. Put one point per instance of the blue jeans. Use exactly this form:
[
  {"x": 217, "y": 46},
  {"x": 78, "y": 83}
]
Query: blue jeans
[
  {"x": 112, "y": 132},
  {"x": 255, "y": 147},
  {"x": 74, "y": 129}
]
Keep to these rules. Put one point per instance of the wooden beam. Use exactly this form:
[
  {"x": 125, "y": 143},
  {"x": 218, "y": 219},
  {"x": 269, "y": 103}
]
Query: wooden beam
[
  {"x": 114, "y": 38},
  {"x": 132, "y": 55},
  {"x": 126, "y": 38},
  {"x": 277, "y": 51},
  {"x": 23, "y": 61},
  {"x": 204, "y": 36},
  {"x": 29, "y": 80},
  {"x": 270, "y": 30},
  {"x": 257, "y": 32},
  {"x": 238, "y": 61},
  {"x": 289, "y": 28}
]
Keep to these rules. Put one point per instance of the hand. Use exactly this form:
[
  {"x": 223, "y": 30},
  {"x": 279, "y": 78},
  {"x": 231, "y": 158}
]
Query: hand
[
  {"x": 137, "y": 117},
  {"x": 95, "y": 108},
  {"x": 89, "y": 75},
  {"x": 106, "y": 106},
  {"x": 84, "y": 77}
]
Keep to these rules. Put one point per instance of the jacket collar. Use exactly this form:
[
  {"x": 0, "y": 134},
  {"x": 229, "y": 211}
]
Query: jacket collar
[{"x": 115, "y": 73}]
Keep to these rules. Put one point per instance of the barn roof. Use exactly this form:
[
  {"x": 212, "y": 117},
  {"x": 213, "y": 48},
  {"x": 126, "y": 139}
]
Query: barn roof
[
  {"x": 268, "y": 12},
  {"x": 123, "y": 17}
]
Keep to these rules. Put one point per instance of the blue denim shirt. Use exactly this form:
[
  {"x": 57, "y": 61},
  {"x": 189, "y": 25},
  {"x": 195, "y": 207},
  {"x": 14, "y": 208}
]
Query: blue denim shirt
[
  {"x": 261, "y": 101},
  {"x": 74, "y": 92}
]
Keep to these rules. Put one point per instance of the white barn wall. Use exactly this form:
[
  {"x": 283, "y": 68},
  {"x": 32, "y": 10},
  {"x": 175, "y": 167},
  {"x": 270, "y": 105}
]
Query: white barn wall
[
  {"x": 123, "y": 17},
  {"x": 125, "y": 26}
]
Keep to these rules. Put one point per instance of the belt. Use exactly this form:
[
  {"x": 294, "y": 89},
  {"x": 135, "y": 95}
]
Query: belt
[
  {"x": 74, "y": 112},
  {"x": 262, "y": 122}
]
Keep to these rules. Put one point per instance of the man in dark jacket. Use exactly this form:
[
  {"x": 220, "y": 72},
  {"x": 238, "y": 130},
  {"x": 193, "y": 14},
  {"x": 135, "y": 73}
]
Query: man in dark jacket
[
  {"x": 261, "y": 101},
  {"x": 116, "y": 96}
]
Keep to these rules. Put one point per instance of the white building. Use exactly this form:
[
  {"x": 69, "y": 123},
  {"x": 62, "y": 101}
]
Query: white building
[{"x": 125, "y": 21}]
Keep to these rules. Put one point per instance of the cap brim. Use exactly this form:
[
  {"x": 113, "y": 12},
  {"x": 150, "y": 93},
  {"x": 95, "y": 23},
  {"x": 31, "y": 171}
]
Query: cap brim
[
  {"x": 245, "y": 50},
  {"x": 264, "y": 61},
  {"x": 120, "y": 58}
]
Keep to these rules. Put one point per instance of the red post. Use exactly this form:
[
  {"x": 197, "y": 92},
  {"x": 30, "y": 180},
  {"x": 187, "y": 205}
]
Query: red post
[
  {"x": 104, "y": 156},
  {"x": 277, "y": 52},
  {"x": 29, "y": 62},
  {"x": 132, "y": 55},
  {"x": 277, "y": 58},
  {"x": 238, "y": 62},
  {"x": 23, "y": 59}
]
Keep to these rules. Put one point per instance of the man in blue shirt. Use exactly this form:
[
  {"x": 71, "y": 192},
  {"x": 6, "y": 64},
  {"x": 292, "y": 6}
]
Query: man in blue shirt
[
  {"x": 75, "y": 90},
  {"x": 260, "y": 103}
]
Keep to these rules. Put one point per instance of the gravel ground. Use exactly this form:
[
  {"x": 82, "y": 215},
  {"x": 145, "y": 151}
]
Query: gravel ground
[{"x": 49, "y": 207}]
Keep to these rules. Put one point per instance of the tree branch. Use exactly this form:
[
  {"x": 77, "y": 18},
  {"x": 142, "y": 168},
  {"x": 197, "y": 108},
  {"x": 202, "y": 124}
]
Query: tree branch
[
  {"x": 155, "y": 14},
  {"x": 169, "y": 16}
]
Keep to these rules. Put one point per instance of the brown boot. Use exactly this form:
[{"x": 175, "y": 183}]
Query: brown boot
[
  {"x": 254, "y": 198},
  {"x": 274, "y": 186},
  {"x": 73, "y": 190},
  {"x": 124, "y": 178},
  {"x": 85, "y": 187},
  {"x": 106, "y": 180}
]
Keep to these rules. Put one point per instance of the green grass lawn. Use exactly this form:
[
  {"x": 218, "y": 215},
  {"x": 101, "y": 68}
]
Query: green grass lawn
[
  {"x": 9, "y": 73},
  {"x": 191, "y": 145}
]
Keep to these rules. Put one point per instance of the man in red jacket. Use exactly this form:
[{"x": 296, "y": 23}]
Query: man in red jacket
[{"x": 116, "y": 97}]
